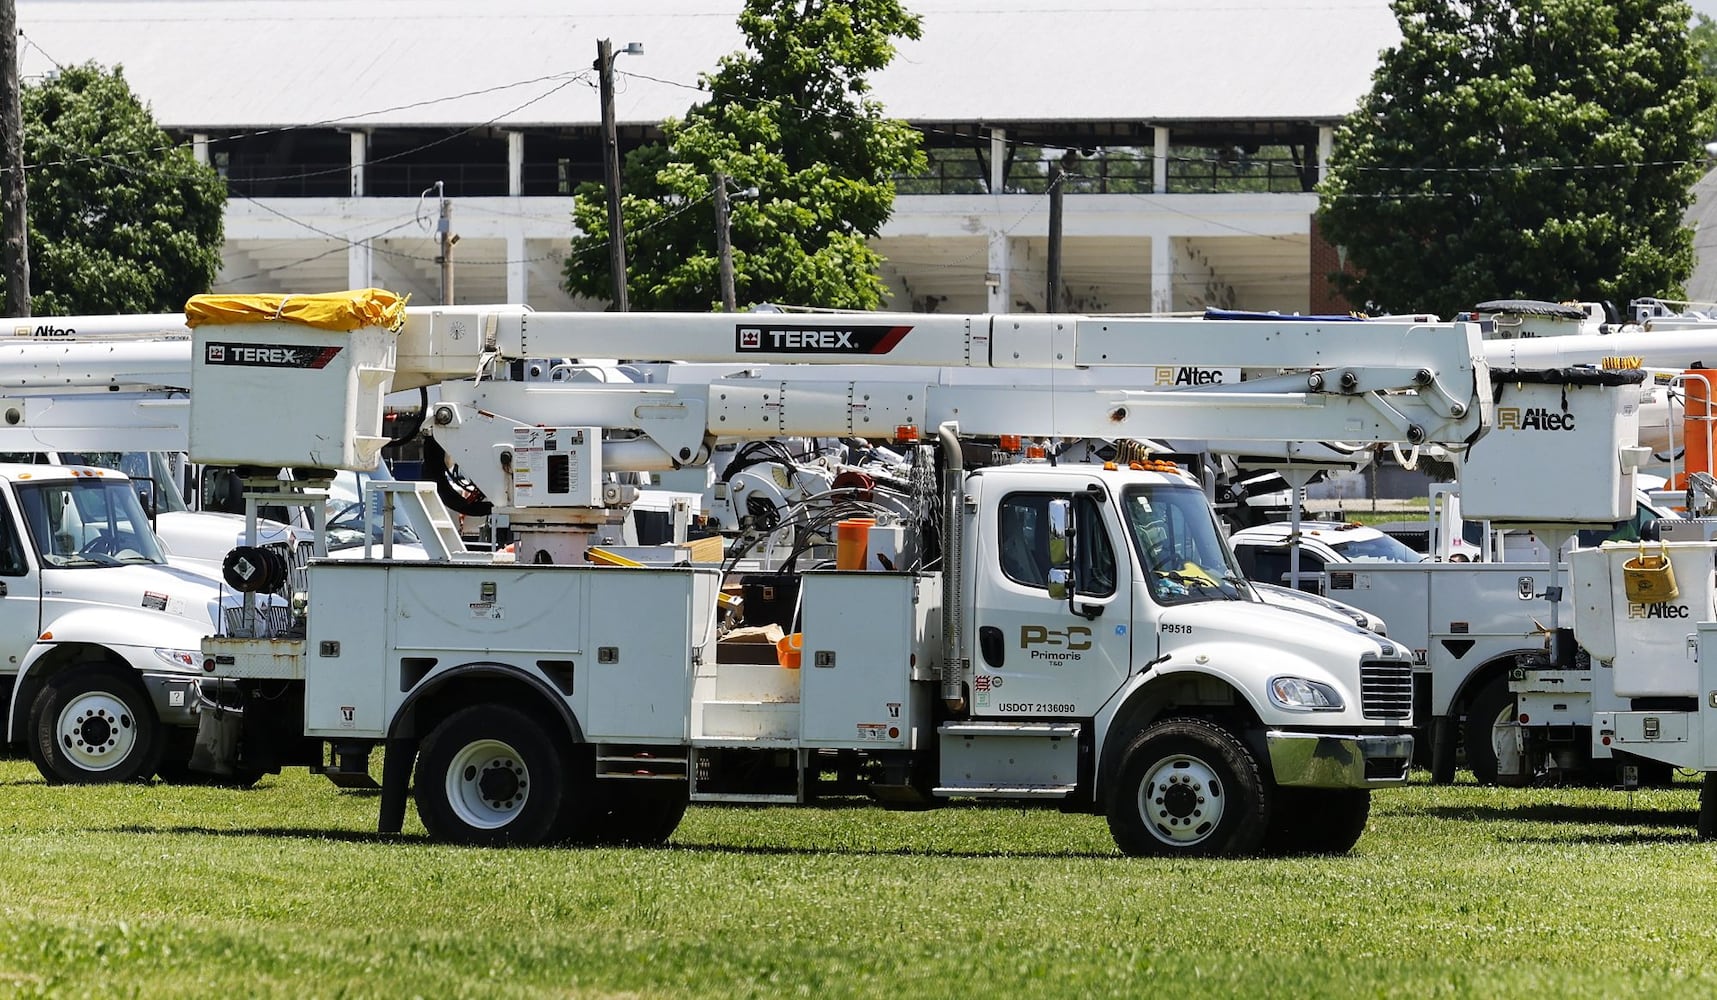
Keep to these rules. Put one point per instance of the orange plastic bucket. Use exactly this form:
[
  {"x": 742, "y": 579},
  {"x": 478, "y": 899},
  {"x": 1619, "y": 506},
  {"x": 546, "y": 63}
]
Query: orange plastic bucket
[
  {"x": 852, "y": 542},
  {"x": 1696, "y": 425},
  {"x": 789, "y": 648}
]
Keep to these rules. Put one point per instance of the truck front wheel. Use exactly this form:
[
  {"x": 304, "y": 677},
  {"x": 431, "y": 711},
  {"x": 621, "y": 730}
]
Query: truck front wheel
[
  {"x": 1317, "y": 820},
  {"x": 1188, "y": 787},
  {"x": 92, "y": 725},
  {"x": 490, "y": 775}
]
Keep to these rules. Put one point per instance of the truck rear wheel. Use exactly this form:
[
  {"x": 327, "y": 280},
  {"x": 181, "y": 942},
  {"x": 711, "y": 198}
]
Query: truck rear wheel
[
  {"x": 92, "y": 725},
  {"x": 1494, "y": 707},
  {"x": 490, "y": 775},
  {"x": 181, "y": 773},
  {"x": 640, "y": 813},
  {"x": 1317, "y": 820},
  {"x": 1187, "y": 786}
]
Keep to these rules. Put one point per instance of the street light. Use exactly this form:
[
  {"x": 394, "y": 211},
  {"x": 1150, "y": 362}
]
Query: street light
[{"x": 611, "y": 165}]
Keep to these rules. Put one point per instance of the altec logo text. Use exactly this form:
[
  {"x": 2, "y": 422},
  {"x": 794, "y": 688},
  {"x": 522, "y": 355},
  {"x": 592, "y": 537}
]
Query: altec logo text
[
  {"x": 44, "y": 331},
  {"x": 269, "y": 355},
  {"x": 1650, "y": 611},
  {"x": 1187, "y": 375},
  {"x": 1513, "y": 418},
  {"x": 824, "y": 339}
]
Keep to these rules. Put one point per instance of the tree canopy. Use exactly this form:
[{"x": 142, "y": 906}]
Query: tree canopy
[
  {"x": 121, "y": 218},
  {"x": 1522, "y": 148},
  {"x": 789, "y": 120}
]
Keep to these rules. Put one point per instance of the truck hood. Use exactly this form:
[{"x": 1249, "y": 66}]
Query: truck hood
[
  {"x": 1294, "y": 633},
  {"x": 175, "y": 591}
]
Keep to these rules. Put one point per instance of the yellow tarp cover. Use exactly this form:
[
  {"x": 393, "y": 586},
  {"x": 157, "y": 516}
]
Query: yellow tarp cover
[{"x": 340, "y": 311}]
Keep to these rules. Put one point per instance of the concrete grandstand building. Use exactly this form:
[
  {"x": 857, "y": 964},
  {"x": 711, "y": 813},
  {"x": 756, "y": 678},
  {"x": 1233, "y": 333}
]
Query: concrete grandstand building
[{"x": 1202, "y": 129}]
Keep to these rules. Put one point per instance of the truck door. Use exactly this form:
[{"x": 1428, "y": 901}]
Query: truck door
[
  {"x": 20, "y": 598},
  {"x": 1036, "y": 656}
]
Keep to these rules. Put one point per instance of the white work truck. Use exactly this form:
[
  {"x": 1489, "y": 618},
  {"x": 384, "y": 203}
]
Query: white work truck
[
  {"x": 1067, "y": 634},
  {"x": 100, "y": 636}
]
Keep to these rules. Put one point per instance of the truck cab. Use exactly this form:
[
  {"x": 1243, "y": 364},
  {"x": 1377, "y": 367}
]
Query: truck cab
[
  {"x": 1264, "y": 551},
  {"x": 98, "y": 632},
  {"x": 1149, "y": 634}
]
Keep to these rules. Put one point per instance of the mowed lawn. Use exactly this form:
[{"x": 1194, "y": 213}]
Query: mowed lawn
[{"x": 283, "y": 890}]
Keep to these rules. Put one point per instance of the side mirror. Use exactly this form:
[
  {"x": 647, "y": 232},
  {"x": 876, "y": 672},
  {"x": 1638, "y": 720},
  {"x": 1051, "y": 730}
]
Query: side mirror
[
  {"x": 1061, "y": 585},
  {"x": 1060, "y": 535}
]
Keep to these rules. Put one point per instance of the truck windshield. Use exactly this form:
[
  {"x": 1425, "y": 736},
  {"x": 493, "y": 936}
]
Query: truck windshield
[
  {"x": 151, "y": 472},
  {"x": 1180, "y": 546},
  {"x": 1383, "y": 548},
  {"x": 79, "y": 523}
]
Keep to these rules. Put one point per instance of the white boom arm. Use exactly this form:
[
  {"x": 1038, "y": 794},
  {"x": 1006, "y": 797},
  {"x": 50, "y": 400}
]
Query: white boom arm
[
  {"x": 95, "y": 383},
  {"x": 886, "y": 376}
]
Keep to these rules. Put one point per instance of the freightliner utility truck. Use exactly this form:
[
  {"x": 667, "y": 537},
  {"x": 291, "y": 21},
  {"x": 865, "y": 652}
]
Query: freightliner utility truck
[{"x": 1070, "y": 634}]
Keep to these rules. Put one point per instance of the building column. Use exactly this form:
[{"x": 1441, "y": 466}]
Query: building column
[
  {"x": 518, "y": 271},
  {"x": 1326, "y": 148},
  {"x": 200, "y": 147},
  {"x": 360, "y": 261},
  {"x": 360, "y": 142},
  {"x": 998, "y": 160},
  {"x": 1160, "y": 160},
  {"x": 515, "y": 163},
  {"x": 360, "y": 258},
  {"x": 998, "y": 280},
  {"x": 1162, "y": 273}
]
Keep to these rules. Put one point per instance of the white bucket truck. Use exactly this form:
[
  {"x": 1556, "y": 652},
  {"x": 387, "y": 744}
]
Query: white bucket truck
[
  {"x": 1068, "y": 634},
  {"x": 1499, "y": 672}
]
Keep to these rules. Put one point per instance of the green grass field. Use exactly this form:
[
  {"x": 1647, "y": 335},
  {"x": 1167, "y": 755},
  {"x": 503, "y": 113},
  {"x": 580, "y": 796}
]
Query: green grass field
[{"x": 282, "y": 890}]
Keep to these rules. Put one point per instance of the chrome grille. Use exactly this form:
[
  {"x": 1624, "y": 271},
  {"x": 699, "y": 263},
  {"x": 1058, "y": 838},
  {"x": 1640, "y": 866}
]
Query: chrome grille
[
  {"x": 297, "y": 557},
  {"x": 274, "y": 620},
  {"x": 1386, "y": 689}
]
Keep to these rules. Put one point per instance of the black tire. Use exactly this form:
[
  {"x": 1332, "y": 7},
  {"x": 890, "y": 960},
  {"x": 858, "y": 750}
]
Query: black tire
[
  {"x": 180, "y": 773},
  {"x": 93, "y": 725},
  {"x": 1317, "y": 820},
  {"x": 1188, "y": 787},
  {"x": 492, "y": 776},
  {"x": 1707, "y": 824},
  {"x": 1493, "y": 702},
  {"x": 1444, "y": 741},
  {"x": 636, "y": 813}
]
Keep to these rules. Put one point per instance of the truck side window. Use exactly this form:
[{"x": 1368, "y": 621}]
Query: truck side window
[
  {"x": 12, "y": 562},
  {"x": 1023, "y": 543},
  {"x": 1271, "y": 565}
]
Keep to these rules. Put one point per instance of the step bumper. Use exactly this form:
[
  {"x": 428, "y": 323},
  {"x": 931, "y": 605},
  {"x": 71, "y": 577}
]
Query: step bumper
[{"x": 1324, "y": 760}]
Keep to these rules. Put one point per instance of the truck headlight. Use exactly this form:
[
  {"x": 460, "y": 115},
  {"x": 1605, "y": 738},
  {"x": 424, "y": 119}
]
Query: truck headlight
[
  {"x": 179, "y": 659},
  {"x": 1300, "y": 695}
]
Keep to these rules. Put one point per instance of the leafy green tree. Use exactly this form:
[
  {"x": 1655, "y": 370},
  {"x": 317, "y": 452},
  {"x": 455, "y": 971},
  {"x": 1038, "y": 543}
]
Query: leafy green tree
[
  {"x": 1703, "y": 35},
  {"x": 789, "y": 119},
  {"x": 122, "y": 219},
  {"x": 1530, "y": 148}
]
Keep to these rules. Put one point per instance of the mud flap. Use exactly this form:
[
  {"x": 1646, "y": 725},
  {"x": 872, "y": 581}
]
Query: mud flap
[{"x": 216, "y": 748}]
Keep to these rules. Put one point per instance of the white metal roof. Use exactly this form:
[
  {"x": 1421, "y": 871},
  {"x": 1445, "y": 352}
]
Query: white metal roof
[{"x": 257, "y": 63}]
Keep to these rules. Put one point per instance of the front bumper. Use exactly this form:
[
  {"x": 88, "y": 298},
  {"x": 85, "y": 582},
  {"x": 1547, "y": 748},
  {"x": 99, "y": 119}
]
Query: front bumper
[
  {"x": 1323, "y": 760},
  {"x": 175, "y": 697}
]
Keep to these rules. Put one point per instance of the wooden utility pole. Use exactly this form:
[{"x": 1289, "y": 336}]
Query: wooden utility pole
[
  {"x": 611, "y": 172},
  {"x": 724, "y": 244},
  {"x": 445, "y": 239},
  {"x": 1052, "y": 296},
  {"x": 14, "y": 213},
  {"x": 1057, "y": 184}
]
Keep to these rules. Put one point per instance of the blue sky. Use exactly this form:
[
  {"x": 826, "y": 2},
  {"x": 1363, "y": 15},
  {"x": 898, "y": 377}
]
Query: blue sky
[{"x": 1706, "y": 7}]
